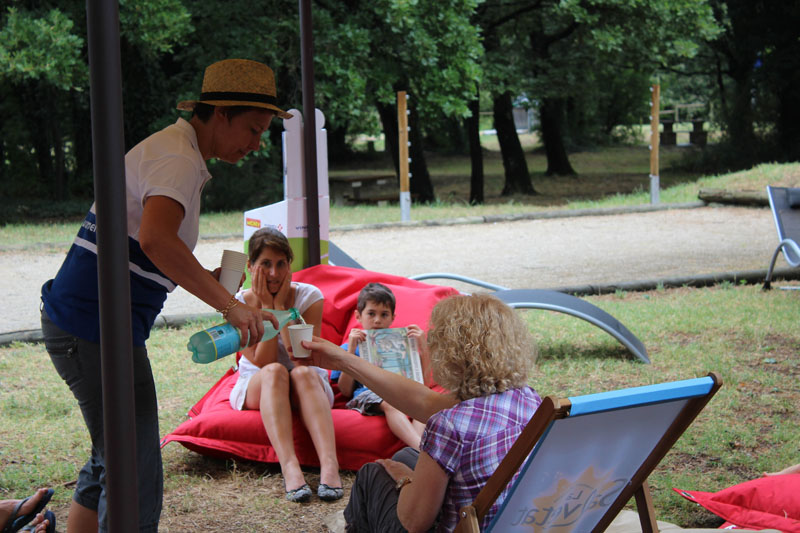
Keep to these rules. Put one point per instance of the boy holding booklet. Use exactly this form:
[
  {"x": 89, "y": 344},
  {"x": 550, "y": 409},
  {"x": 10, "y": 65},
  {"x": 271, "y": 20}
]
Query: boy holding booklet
[{"x": 375, "y": 310}]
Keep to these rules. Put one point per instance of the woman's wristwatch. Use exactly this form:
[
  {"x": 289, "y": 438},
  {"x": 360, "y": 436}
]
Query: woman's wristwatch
[{"x": 402, "y": 482}]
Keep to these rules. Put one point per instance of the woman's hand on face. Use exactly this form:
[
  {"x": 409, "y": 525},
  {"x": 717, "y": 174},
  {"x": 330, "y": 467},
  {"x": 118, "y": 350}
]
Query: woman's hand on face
[
  {"x": 261, "y": 289},
  {"x": 395, "y": 469},
  {"x": 281, "y": 298}
]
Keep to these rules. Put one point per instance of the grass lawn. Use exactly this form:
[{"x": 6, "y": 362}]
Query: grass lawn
[{"x": 752, "y": 425}]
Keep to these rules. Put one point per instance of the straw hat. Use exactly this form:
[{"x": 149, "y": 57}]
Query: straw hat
[{"x": 233, "y": 82}]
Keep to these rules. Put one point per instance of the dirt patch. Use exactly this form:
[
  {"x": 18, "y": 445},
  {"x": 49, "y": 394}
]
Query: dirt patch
[{"x": 238, "y": 496}]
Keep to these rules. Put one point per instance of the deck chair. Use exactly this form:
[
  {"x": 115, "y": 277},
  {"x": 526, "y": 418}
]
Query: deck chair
[
  {"x": 785, "y": 204},
  {"x": 581, "y": 459}
]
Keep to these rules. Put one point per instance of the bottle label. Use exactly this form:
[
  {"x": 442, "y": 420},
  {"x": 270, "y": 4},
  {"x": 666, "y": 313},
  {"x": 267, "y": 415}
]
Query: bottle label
[{"x": 226, "y": 339}]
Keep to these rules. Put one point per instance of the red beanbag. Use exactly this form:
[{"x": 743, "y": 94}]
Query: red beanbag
[
  {"x": 765, "y": 503},
  {"x": 216, "y": 429}
]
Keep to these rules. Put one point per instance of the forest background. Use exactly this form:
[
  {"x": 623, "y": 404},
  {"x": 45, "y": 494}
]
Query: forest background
[{"x": 585, "y": 67}]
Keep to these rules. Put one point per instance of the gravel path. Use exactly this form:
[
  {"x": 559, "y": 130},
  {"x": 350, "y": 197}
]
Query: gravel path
[{"x": 540, "y": 253}]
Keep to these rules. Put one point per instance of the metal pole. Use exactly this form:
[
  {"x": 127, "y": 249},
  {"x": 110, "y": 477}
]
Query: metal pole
[
  {"x": 309, "y": 132},
  {"x": 402, "y": 156},
  {"x": 654, "y": 141},
  {"x": 108, "y": 146}
]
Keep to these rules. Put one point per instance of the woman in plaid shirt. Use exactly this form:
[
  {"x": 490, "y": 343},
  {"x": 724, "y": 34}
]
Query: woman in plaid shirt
[{"x": 482, "y": 352}]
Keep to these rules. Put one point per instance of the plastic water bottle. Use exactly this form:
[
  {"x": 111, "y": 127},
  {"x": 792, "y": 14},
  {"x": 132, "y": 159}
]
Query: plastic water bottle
[{"x": 223, "y": 339}]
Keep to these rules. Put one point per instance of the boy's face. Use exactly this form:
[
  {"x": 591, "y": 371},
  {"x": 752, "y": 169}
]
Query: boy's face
[{"x": 375, "y": 316}]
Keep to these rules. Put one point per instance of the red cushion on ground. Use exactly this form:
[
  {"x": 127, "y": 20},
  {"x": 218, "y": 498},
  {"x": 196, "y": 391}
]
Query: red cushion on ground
[
  {"x": 764, "y": 503},
  {"x": 215, "y": 429}
]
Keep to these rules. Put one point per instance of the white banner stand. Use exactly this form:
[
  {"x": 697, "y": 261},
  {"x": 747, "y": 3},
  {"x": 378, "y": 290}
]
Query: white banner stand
[{"x": 289, "y": 215}]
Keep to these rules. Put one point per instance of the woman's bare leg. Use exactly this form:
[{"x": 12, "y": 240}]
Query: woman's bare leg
[
  {"x": 401, "y": 426},
  {"x": 268, "y": 391},
  {"x": 315, "y": 409}
]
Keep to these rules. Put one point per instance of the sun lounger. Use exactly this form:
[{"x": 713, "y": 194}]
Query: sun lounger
[
  {"x": 530, "y": 299},
  {"x": 555, "y": 301},
  {"x": 785, "y": 204}
]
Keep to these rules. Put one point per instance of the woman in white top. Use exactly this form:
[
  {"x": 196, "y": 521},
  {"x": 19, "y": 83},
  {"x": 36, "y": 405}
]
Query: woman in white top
[{"x": 269, "y": 381}]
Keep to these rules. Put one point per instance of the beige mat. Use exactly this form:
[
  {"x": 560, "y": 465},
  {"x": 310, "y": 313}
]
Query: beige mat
[{"x": 628, "y": 522}]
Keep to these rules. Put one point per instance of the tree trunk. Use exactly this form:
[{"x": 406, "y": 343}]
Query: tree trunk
[
  {"x": 740, "y": 115},
  {"x": 420, "y": 180},
  {"x": 518, "y": 180},
  {"x": 472, "y": 126},
  {"x": 81, "y": 132},
  {"x": 57, "y": 141},
  {"x": 39, "y": 132},
  {"x": 388, "y": 116},
  {"x": 789, "y": 122},
  {"x": 738, "y": 197},
  {"x": 550, "y": 113},
  {"x": 421, "y": 185},
  {"x": 338, "y": 150}
]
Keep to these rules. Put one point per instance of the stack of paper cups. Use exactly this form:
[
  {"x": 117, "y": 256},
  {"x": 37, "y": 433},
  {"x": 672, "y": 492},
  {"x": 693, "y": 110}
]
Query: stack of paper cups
[{"x": 232, "y": 266}]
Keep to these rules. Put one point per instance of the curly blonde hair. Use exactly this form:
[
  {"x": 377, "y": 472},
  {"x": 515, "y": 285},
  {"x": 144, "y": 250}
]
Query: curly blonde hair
[{"x": 479, "y": 346}]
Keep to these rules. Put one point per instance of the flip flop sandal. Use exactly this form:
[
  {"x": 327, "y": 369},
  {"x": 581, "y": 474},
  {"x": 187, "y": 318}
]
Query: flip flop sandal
[
  {"x": 15, "y": 524},
  {"x": 329, "y": 494},
  {"x": 51, "y": 523},
  {"x": 299, "y": 495}
]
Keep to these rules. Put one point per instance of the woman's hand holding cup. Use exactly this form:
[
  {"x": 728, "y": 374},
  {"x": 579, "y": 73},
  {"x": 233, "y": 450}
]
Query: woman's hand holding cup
[{"x": 324, "y": 354}]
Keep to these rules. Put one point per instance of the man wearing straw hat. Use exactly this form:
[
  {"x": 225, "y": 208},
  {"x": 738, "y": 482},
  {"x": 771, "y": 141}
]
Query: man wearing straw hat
[{"x": 165, "y": 175}]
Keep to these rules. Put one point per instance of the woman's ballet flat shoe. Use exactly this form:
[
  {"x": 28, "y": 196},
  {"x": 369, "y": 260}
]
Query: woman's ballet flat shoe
[
  {"x": 329, "y": 494},
  {"x": 299, "y": 495}
]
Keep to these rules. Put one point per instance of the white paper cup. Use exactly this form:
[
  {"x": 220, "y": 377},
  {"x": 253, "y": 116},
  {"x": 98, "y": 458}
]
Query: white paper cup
[
  {"x": 297, "y": 333},
  {"x": 232, "y": 268}
]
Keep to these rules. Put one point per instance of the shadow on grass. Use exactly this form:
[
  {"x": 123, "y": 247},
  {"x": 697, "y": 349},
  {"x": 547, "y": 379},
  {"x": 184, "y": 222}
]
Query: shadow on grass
[
  {"x": 195, "y": 465},
  {"x": 571, "y": 352}
]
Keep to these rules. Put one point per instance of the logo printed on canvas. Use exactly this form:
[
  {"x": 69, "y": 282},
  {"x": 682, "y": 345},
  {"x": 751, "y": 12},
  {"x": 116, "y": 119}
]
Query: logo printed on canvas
[
  {"x": 570, "y": 501},
  {"x": 253, "y": 222}
]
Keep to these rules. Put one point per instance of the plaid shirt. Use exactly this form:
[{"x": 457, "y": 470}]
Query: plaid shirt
[{"x": 468, "y": 442}]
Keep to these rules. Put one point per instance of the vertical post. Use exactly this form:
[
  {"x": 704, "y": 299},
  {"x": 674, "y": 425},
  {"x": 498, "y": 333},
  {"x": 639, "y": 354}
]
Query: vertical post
[
  {"x": 108, "y": 148},
  {"x": 309, "y": 132},
  {"x": 402, "y": 158},
  {"x": 654, "y": 113}
]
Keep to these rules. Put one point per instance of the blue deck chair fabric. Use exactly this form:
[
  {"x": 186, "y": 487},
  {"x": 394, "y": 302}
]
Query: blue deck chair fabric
[
  {"x": 583, "y": 458},
  {"x": 785, "y": 205}
]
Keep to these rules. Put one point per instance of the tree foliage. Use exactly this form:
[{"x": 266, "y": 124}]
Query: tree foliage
[{"x": 584, "y": 65}]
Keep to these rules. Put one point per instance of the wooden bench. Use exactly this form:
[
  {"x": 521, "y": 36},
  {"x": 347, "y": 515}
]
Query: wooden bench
[
  {"x": 379, "y": 199},
  {"x": 357, "y": 188}
]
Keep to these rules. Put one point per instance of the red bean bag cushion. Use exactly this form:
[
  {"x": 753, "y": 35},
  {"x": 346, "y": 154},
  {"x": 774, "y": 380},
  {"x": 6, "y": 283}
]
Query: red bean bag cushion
[
  {"x": 765, "y": 503},
  {"x": 215, "y": 429}
]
